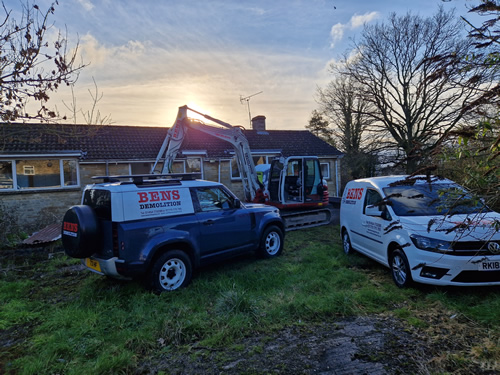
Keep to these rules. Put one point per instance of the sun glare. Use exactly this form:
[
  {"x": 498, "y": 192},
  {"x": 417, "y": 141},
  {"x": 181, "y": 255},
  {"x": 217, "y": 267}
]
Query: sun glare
[{"x": 195, "y": 115}]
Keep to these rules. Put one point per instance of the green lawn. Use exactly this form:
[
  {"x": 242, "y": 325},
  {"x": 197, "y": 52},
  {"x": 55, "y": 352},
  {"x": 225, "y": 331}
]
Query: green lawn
[{"x": 69, "y": 321}]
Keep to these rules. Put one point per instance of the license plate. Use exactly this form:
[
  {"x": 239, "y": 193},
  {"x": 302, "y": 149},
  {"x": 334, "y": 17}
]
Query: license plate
[
  {"x": 94, "y": 264},
  {"x": 489, "y": 266}
]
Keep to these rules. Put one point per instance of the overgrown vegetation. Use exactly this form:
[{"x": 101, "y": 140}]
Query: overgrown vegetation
[
  {"x": 10, "y": 233},
  {"x": 56, "y": 318}
]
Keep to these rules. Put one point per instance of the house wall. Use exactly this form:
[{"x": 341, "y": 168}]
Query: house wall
[{"x": 33, "y": 210}]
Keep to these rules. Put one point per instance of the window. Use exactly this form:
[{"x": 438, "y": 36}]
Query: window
[
  {"x": 193, "y": 165},
  {"x": 373, "y": 205},
  {"x": 432, "y": 200},
  {"x": 6, "y": 175},
  {"x": 257, "y": 159},
  {"x": 214, "y": 199},
  {"x": 140, "y": 168},
  {"x": 24, "y": 174},
  {"x": 325, "y": 170},
  {"x": 189, "y": 165}
]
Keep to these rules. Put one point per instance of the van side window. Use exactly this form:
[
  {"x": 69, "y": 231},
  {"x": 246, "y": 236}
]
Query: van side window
[{"x": 372, "y": 199}]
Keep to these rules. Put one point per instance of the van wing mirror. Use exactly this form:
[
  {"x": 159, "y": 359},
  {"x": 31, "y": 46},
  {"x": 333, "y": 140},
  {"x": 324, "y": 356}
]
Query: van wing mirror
[
  {"x": 237, "y": 203},
  {"x": 374, "y": 211}
]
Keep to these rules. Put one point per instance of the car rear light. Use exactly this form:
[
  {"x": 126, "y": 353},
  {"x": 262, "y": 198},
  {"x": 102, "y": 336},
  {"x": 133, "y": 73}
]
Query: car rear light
[{"x": 115, "y": 239}]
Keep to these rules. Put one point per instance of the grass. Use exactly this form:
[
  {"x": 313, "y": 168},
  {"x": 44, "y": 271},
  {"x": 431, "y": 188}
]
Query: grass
[{"x": 81, "y": 323}]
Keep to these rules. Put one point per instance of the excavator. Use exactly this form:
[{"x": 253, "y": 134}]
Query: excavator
[{"x": 293, "y": 184}]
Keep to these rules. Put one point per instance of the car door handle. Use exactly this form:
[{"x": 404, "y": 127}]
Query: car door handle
[{"x": 208, "y": 222}]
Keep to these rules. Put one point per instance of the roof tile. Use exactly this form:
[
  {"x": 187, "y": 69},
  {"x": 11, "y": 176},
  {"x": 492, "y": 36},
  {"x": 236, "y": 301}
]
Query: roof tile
[{"x": 115, "y": 142}]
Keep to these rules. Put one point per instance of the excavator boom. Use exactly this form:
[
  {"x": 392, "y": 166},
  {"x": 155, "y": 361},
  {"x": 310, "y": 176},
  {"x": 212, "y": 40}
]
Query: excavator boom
[{"x": 293, "y": 183}]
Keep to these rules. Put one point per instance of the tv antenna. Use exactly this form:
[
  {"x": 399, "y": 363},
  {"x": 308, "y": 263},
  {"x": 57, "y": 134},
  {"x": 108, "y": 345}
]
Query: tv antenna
[{"x": 247, "y": 99}]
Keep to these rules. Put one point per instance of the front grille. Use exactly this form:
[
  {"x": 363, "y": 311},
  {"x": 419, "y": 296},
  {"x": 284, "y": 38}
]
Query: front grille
[
  {"x": 471, "y": 248},
  {"x": 477, "y": 276}
]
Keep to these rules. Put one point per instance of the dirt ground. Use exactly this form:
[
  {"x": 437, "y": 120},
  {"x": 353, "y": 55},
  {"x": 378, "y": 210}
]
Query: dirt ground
[{"x": 373, "y": 344}]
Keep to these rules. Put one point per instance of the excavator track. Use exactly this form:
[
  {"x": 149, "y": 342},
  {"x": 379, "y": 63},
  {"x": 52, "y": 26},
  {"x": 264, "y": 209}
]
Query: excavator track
[{"x": 300, "y": 219}]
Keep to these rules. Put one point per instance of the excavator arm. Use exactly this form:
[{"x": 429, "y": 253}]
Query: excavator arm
[{"x": 175, "y": 136}]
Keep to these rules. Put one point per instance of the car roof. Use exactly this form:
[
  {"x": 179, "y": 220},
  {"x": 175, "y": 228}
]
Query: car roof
[
  {"x": 130, "y": 186},
  {"x": 385, "y": 181}
]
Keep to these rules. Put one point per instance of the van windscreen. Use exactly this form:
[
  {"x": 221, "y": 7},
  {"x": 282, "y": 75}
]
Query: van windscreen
[{"x": 432, "y": 200}]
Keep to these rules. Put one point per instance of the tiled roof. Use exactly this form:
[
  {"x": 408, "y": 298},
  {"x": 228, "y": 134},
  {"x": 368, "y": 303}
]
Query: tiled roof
[{"x": 114, "y": 142}]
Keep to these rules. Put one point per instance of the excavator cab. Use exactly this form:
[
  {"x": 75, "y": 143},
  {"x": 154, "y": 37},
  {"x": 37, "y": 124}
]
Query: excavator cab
[{"x": 296, "y": 182}]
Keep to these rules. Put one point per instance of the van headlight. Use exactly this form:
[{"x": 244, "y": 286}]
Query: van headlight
[{"x": 430, "y": 244}]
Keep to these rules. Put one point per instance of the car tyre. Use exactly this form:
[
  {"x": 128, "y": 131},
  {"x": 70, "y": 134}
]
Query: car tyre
[
  {"x": 346, "y": 242},
  {"x": 171, "y": 271},
  {"x": 271, "y": 242},
  {"x": 400, "y": 269}
]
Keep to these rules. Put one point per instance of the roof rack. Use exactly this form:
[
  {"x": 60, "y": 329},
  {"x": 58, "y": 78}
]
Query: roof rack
[{"x": 142, "y": 179}]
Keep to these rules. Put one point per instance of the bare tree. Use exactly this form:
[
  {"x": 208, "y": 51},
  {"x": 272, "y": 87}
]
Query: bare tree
[
  {"x": 31, "y": 67},
  {"x": 91, "y": 116},
  {"x": 408, "y": 70},
  {"x": 348, "y": 112}
]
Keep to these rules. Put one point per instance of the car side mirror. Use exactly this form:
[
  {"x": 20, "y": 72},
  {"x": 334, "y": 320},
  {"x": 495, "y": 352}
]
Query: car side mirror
[
  {"x": 374, "y": 211},
  {"x": 237, "y": 203}
]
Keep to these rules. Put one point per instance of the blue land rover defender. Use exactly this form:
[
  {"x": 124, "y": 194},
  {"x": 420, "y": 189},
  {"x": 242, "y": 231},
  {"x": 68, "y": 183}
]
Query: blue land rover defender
[{"x": 160, "y": 227}]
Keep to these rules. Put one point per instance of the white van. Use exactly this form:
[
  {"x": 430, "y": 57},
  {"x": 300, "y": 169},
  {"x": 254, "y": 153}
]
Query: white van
[{"x": 425, "y": 229}]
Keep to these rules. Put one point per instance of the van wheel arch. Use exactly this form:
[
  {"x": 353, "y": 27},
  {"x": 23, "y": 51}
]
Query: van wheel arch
[
  {"x": 172, "y": 246},
  {"x": 346, "y": 241},
  {"x": 390, "y": 249},
  {"x": 399, "y": 266}
]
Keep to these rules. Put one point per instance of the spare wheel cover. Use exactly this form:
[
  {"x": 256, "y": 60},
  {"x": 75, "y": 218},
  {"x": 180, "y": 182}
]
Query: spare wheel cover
[{"x": 80, "y": 232}]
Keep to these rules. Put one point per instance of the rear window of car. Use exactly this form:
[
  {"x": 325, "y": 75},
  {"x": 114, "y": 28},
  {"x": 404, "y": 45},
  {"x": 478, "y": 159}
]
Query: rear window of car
[
  {"x": 100, "y": 201},
  {"x": 431, "y": 200}
]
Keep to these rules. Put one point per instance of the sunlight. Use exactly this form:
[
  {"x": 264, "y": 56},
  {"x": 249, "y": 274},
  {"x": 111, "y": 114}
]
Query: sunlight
[{"x": 196, "y": 116}]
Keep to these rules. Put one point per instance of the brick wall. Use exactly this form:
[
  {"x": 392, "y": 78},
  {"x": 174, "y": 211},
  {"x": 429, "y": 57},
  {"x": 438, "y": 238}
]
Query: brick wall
[{"x": 34, "y": 211}]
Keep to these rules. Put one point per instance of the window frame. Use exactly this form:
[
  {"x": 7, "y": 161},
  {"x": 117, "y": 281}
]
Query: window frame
[
  {"x": 213, "y": 190},
  {"x": 326, "y": 177},
  {"x": 184, "y": 161},
  {"x": 268, "y": 157},
  {"x": 15, "y": 159}
]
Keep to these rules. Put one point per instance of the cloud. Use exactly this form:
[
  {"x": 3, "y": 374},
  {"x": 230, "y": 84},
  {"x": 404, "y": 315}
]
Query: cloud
[
  {"x": 92, "y": 52},
  {"x": 151, "y": 81},
  {"x": 360, "y": 20},
  {"x": 86, "y": 4},
  {"x": 337, "y": 31}
]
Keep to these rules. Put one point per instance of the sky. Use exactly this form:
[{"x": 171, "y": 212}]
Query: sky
[{"x": 220, "y": 57}]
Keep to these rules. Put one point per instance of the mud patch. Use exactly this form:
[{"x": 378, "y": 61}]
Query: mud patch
[{"x": 362, "y": 345}]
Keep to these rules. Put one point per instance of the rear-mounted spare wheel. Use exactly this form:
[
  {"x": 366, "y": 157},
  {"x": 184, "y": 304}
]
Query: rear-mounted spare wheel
[{"x": 80, "y": 232}]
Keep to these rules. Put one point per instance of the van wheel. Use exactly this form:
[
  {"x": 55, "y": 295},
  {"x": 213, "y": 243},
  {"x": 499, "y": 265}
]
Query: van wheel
[
  {"x": 271, "y": 242},
  {"x": 346, "y": 242},
  {"x": 400, "y": 269},
  {"x": 171, "y": 271}
]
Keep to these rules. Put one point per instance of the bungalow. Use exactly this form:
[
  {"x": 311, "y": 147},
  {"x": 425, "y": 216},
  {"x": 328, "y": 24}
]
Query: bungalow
[{"x": 43, "y": 167}]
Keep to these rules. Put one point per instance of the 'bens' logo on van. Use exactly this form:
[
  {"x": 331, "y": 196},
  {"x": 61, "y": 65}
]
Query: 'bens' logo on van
[
  {"x": 355, "y": 193},
  {"x": 159, "y": 199},
  {"x": 157, "y": 196}
]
